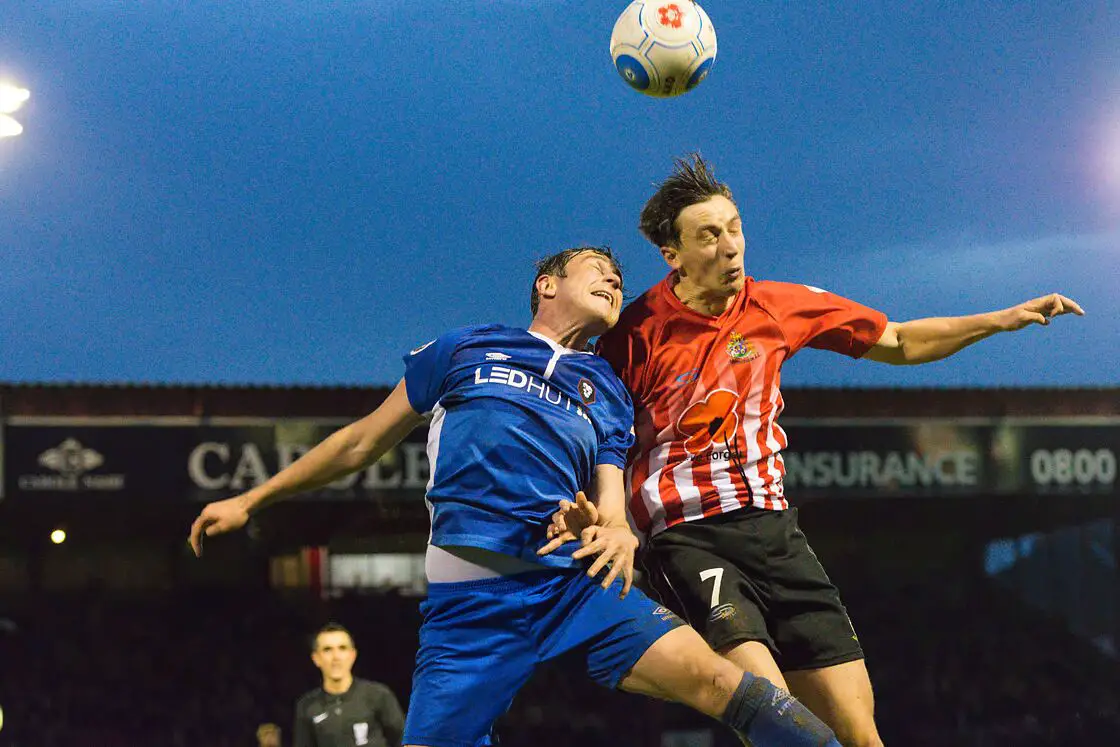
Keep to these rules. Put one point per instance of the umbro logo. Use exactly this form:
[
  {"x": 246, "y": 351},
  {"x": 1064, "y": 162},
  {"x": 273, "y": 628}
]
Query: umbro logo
[
  {"x": 421, "y": 349},
  {"x": 724, "y": 611},
  {"x": 497, "y": 357}
]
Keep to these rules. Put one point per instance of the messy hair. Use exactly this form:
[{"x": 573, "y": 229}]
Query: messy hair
[{"x": 692, "y": 181}]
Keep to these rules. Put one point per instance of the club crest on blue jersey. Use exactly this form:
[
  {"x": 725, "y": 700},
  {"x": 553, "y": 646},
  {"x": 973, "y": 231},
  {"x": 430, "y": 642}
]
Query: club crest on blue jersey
[{"x": 586, "y": 391}]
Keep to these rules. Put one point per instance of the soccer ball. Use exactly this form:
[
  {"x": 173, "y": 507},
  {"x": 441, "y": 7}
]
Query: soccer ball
[{"x": 663, "y": 48}]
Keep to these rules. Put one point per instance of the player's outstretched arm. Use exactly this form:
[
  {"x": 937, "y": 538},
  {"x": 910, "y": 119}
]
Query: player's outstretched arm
[
  {"x": 927, "y": 340},
  {"x": 347, "y": 450}
]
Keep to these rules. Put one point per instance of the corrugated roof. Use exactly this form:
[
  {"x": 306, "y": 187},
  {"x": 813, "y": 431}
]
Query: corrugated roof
[{"x": 271, "y": 386}]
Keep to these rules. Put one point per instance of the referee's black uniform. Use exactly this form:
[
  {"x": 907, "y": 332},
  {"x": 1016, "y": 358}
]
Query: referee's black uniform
[{"x": 366, "y": 714}]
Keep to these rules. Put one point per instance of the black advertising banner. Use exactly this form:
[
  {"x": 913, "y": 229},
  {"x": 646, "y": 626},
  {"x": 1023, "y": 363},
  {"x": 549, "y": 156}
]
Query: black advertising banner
[
  {"x": 951, "y": 458},
  {"x": 175, "y": 460},
  {"x": 1066, "y": 458},
  {"x": 181, "y": 459}
]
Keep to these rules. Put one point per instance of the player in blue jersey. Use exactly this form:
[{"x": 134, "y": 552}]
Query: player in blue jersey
[{"x": 519, "y": 420}]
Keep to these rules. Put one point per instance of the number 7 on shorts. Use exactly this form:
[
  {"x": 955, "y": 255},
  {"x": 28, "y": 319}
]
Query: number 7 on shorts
[{"x": 717, "y": 574}]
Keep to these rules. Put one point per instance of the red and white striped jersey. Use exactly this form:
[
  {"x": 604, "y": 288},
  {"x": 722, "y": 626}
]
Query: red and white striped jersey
[{"x": 706, "y": 392}]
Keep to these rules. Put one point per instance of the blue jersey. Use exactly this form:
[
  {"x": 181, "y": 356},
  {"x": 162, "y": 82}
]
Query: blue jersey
[{"x": 518, "y": 423}]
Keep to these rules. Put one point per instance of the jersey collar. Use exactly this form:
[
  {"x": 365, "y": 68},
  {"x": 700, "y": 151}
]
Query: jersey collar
[
  {"x": 678, "y": 305},
  {"x": 557, "y": 347}
]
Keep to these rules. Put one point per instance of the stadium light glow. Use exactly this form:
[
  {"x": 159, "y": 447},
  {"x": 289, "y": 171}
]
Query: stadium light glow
[
  {"x": 9, "y": 127},
  {"x": 58, "y": 536},
  {"x": 12, "y": 98}
]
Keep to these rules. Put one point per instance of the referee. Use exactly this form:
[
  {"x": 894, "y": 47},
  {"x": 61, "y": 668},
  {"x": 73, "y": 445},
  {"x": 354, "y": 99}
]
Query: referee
[{"x": 345, "y": 711}]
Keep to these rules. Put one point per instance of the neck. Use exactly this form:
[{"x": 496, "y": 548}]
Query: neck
[
  {"x": 699, "y": 299},
  {"x": 566, "y": 333},
  {"x": 337, "y": 687}
]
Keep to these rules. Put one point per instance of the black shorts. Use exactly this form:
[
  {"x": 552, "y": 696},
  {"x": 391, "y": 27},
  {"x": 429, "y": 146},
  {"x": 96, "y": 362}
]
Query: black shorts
[{"x": 750, "y": 576}]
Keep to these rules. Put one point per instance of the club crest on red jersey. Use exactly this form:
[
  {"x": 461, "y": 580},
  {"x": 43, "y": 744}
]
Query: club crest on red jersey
[{"x": 740, "y": 348}]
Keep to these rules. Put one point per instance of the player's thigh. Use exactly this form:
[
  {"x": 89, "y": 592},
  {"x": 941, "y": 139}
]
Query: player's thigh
[
  {"x": 470, "y": 664},
  {"x": 755, "y": 657},
  {"x": 612, "y": 632},
  {"x": 808, "y": 621},
  {"x": 681, "y": 667},
  {"x": 713, "y": 578},
  {"x": 842, "y": 697},
  {"x": 640, "y": 646}
]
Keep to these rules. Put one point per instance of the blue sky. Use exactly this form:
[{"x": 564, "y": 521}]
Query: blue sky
[{"x": 298, "y": 193}]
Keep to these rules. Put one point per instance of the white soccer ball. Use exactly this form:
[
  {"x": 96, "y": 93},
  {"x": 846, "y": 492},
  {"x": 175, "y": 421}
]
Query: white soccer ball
[{"x": 663, "y": 48}]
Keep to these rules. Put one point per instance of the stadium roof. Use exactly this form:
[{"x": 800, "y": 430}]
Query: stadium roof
[{"x": 271, "y": 400}]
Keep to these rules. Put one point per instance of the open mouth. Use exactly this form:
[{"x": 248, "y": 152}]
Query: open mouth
[{"x": 604, "y": 294}]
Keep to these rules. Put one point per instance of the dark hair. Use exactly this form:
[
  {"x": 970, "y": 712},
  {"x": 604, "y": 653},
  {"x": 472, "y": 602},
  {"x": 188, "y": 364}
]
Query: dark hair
[
  {"x": 557, "y": 265},
  {"x": 331, "y": 627},
  {"x": 692, "y": 181}
]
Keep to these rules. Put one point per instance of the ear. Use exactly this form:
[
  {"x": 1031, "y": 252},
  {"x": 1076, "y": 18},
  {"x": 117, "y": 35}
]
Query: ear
[
  {"x": 671, "y": 255},
  {"x": 546, "y": 286}
]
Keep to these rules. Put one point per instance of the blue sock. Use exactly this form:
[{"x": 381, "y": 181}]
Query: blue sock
[{"x": 765, "y": 716}]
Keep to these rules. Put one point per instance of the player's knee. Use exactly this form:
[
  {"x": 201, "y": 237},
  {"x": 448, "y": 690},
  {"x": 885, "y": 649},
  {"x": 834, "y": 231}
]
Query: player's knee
[
  {"x": 856, "y": 729},
  {"x": 716, "y": 680},
  {"x": 852, "y": 735}
]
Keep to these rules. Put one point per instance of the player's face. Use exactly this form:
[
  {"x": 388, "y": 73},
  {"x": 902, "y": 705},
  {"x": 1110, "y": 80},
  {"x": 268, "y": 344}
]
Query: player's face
[
  {"x": 591, "y": 289},
  {"x": 334, "y": 655},
  {"x": 710, "y": 255}
]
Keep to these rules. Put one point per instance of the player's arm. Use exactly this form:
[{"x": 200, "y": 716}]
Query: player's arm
[
  {"x": 611, "y": 538},
  {"x": 926, "y": 340},
  {"x": 610, "y": 497},
  {"x": 347, "y": 450}
]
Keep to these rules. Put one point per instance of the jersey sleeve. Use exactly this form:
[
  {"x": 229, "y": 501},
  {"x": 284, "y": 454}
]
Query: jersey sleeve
[
  {"x": 815, "y": 318},
  {"x": 426, "y": 368},
  {"x": 618, "y": 431}
]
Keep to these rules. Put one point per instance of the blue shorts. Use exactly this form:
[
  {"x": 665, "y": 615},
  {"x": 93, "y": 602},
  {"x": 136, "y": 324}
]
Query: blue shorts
[{"x": 481, "y": 640}]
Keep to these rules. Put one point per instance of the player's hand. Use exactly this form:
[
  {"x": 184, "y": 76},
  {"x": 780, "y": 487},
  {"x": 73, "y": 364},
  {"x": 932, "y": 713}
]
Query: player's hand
[
  {"x": 569, "y": 522},
  {"x": 615, "y": 547},
  {"x": 218, "y": 517},
  {"x": 1039, "y": 311}
]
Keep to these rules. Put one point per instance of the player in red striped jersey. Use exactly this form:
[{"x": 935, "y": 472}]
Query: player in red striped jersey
[{"x": 701, "y": 353}]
